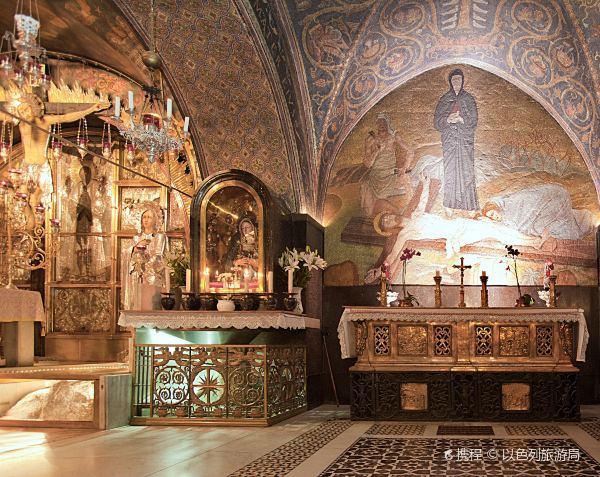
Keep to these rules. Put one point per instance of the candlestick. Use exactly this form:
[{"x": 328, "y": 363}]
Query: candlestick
[
  {"x": 118, "y": 107},
  {"x": 484, "y": 290},
  {"x": 438, "y": 289},
  {"x": 383, "y": 284},
  {"x": 552, "y": 297},
  {"x": 188, "y": 280},
  {"x": 290, "y": 280}
]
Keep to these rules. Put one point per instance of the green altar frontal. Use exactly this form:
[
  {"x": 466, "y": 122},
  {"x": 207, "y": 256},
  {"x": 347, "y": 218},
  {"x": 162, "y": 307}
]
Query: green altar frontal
[{"x": 250, "y": 370}]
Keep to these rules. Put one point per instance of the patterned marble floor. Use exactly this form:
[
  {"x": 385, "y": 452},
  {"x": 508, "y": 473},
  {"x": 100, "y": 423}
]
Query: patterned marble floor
[{"x": 321, "y": 442}]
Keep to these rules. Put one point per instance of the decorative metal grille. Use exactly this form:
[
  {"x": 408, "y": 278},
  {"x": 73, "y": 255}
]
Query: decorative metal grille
[
  {"x": 483, "y": 340},
  {"x": 566, "y": 338},
  {"x": 382, "y": 340},
  {"x": 443, "y": 340},
  {"x": 544, "y": 337},
  {"x": 226, "y": 381}
]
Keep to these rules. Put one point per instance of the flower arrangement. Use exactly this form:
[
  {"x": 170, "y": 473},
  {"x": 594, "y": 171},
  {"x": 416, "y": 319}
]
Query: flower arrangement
[
  {"x": 512, "y": 253},
  {"x": 178, "y": 262},
  {"x": 301, "y": 264},
  {"x": 407, "y": 255}
]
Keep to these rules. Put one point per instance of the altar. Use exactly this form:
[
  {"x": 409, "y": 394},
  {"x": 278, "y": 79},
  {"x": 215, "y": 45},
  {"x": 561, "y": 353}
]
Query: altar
[
  {"x": 467, "y": 364},
  {"x": 20, "y": 309},
  {"x": 217, "y": 368}
]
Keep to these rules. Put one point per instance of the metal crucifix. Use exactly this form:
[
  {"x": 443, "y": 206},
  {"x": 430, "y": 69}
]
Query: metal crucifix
[{"x": 462, "y": 267}]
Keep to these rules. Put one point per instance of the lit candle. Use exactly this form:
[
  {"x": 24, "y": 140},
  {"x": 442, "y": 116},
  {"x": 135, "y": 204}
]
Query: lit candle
[
  {"x": 437, "y": 273},
  {"x": 169, "y": 108},
  {"x": 118, "y": 107},
  {"x": 269, "y": 282},
  {"x": 188, "y": 280},
  {"x": 290, "y": 280},
  {"x": 186, "y": 125},
  {"x": 130, "y": 96}
]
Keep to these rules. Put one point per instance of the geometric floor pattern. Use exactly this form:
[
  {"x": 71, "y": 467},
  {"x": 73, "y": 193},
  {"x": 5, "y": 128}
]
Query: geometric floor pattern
[
  {"x": 465, "y": 430},
  {"x": 396, "y": 429},
  {"x": 285, "y": 458},
  {"x": 592, "y": 427},
  {"x": 534, "y": 430},
  {"x": 463, "y": 457}
]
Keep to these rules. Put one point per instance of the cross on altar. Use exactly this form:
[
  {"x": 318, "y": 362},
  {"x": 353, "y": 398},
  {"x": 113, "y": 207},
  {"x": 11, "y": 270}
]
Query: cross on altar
[{"x": 462, "y": 267}]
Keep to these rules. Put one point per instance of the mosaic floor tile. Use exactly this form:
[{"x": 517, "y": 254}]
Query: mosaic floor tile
[
  {"x": 396, "y": 430},
  {"x": 592, "y": 427},
  {"x": 285, "y": 458},
  {"x": 534, "y": 430},
  {"x": 465, "y": 431},
  {"x": 382, "y": 457}
]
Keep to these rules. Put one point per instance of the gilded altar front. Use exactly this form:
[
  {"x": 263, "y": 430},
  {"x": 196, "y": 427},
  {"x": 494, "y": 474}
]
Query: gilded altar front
[{"x": 468, "y": 364}]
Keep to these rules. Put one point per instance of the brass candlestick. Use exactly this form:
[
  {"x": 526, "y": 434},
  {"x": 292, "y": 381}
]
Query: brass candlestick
[
  {"x": 552, "y": 297},
  {"x": 462, "y": 267},
  {"x": 438, "y": 291},
  {"x": 484, "y": 290},
  {"x": 383, "y": 288}
]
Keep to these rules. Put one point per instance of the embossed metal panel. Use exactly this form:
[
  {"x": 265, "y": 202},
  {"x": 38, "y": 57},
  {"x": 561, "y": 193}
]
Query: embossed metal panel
[
  {"x": 516, "y": 396},
  {"x": 514, "y": 340},
  {"x": 412, "y": 340}
]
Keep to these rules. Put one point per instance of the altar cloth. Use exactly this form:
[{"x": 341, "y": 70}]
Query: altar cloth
[
  {"x": 517, "y": 315},
  {"x": 21, "y": 305},
  {"x": 216, "y": 319}
]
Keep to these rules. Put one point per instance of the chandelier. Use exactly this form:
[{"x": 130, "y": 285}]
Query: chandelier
[
  {"x": 147, "y": 129},
  {"x": 21, "y": 55}
]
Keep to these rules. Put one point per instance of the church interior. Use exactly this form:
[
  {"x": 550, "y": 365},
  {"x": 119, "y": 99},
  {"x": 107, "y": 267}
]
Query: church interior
[{"x": 299, "y": 237}]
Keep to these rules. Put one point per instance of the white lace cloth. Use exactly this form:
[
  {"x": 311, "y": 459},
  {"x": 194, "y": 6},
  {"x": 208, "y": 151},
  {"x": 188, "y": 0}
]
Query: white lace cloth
[
  {"x": 212, "y": 319},
  {"x": 448, "y": 315},
  {"x": 21, "y": 305}
]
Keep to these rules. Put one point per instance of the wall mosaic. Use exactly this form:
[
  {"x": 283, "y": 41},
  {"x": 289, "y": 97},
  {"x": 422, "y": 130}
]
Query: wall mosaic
[
  {"x": 356, "y": 52},
  {"x": 511, "y": 175}
]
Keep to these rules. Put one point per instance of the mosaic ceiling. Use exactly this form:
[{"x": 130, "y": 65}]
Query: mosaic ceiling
[{"x": 275, "y": 87}]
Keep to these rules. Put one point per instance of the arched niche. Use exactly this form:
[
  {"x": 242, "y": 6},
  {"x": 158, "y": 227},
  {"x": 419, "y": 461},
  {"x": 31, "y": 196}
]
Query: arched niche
[
  {"x": 232, "y": 228},
  {"x": 518, "y": 147}
]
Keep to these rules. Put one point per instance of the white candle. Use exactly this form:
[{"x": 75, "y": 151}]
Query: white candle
[
  {"x": 168, "y": 279},
  {"x": 206, "y": 279},
  {"x": 290, "y": 280},
  {"x": 437, "y": 273},
  {"x": 169, "y": 108},
  {"x": 269, "y": 282},
  {"x": 246, "y": 275},
  {"x": 188, "y": 280},
  {"x": 186, "y": 124},
  {"x": 130, "y": 96},
  {"x": 118, "y": 107}
]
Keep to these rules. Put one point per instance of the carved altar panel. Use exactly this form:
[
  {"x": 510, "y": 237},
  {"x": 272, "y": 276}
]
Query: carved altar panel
[
  {"x": 413, "y": 396},
  {"x": 514, "y": 340},
  {"x": 82, "y": 310},
  {"x": 516, "y": 396},
  {"x": 412, "y": 340}
]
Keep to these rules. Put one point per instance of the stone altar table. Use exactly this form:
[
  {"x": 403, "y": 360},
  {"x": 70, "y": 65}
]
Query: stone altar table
[
  {"x": 19, "y": 309},
  {"x": 217, "y": 368},
  {"x": 451, "y": 363}
]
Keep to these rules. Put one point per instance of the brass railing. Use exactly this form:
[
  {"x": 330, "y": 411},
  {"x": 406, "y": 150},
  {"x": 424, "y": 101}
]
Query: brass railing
[{"x": 229, "y": 382}]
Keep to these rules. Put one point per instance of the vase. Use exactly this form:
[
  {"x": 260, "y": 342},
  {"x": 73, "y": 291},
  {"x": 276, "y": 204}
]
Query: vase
[
  {"x": 297, "y": 291},
  {"x": 226, "y": 305},
  {"x": 167, "y": 301}
]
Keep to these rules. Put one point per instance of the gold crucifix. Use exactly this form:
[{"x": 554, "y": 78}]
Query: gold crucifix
[{"x": 462, "y": 267}]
